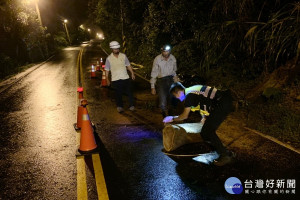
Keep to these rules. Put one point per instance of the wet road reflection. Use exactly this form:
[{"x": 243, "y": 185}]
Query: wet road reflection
[{"x": 38, "y": 140}]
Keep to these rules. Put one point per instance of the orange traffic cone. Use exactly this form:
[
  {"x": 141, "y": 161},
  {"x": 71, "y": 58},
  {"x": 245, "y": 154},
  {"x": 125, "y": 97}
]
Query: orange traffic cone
[
  {"x": 103, "y": 81},
  {"x": 77, "y": 125},
  {"x": 93, "y": 72},
  {"x": 87, "y": 139},
  {"x": 80, "y": 93},
  {"x": 98, "y": 66}
]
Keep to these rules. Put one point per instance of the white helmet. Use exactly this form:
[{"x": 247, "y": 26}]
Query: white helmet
[
  {"x": 114, "y": 45},
  {"x": 166, "y": 48}
]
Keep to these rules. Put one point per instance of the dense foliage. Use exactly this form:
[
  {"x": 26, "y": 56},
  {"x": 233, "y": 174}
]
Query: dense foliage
[
  {"x": 20, "y": 28},
  {"x": 253, "y": 36},
  {"x": 23, "y": 39}
]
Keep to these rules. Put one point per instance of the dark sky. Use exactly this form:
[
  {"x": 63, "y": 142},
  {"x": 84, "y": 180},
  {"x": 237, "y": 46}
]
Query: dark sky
[{"x": 53, "y": 12}]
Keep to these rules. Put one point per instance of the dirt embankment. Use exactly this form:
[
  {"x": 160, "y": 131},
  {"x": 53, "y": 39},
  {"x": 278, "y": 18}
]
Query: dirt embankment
[{"x": 271, "y": 103}]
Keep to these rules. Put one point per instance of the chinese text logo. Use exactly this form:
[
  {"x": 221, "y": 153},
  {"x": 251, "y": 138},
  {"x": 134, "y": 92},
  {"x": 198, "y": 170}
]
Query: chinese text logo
[{"x": 233, "y": 185}]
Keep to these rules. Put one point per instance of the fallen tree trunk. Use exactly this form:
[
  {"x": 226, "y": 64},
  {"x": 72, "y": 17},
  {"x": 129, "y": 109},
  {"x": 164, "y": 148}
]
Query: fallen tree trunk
[{"x": 177, "y": 135}]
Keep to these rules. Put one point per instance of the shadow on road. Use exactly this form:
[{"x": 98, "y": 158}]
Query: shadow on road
[{"x": 113, "y": 176}]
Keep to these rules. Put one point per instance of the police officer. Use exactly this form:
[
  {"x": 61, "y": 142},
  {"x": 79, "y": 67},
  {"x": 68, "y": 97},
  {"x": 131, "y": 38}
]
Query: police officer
[
  {"x": 217, "y": 104},
  {"x": 162, "y": 76}
]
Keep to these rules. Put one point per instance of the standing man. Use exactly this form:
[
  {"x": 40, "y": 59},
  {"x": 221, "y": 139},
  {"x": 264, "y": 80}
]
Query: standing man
[
  {"x": 117, "y": 63},
  {"x": 162, "y": 76},
  {"x": 216, "y": 104}
]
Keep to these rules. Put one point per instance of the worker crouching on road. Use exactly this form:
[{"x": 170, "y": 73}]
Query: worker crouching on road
[
  {"x": 117, "y": 63},
  {"x": 163, "y": 74},
  {"x": 217, "y": 104}
]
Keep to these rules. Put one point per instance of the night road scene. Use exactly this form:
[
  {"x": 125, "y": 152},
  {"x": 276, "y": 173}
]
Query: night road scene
[{"x": 149, "y": 99}]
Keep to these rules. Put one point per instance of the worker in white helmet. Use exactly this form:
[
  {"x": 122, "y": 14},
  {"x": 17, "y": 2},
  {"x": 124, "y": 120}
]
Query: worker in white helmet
[
  {"x": 117, "y": 63},
  {"x": 162, "y": 76}
]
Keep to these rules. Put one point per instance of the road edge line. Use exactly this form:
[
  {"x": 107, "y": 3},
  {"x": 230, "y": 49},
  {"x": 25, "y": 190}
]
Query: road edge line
[
  {"x": 98, "y": 170},
  {"x": 81, "y": 179},
  {"x": 80, "y": 162},
  {"x": 100, "y": 179},
  {"x": 274, "y": 140}
]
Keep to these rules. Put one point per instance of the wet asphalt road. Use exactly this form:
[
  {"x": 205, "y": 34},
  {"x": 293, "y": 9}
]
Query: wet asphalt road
[{"x": 38, "y": 143}]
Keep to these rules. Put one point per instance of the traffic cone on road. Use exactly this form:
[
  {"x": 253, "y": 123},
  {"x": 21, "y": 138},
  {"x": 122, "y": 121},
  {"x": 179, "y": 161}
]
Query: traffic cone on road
[
  {"x": 103, "y": 81},
  {"x": 93, "y": 72},
  {"x": 87, "y": 139},
  {"x": 78, "y": 125},
  {"x": 80, "y": 93},
  {"x": 98, "y": 66}
]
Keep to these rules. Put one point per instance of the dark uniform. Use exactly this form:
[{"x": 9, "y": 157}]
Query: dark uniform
[{"x": 218, "y": 104}]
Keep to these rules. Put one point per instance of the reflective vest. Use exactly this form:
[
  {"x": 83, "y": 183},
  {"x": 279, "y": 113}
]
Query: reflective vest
[{"x": 207, "y": 92}]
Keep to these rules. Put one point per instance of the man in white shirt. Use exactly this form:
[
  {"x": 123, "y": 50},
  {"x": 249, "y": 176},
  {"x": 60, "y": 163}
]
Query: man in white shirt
[
  {"x": 163, "y": 75},
  {"x": 117, "y": 63}
]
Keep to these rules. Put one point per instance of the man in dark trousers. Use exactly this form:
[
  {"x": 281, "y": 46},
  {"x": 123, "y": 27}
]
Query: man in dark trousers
[
  {"x": 163, "y": 74},
  {"x": 117, "y": 64},
  {"x": 217, "y": 104}
]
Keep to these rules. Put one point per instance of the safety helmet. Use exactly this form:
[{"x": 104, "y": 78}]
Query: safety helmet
[
  {"x": 114, "y": 45},
  {"x": 166, "y": 48}
]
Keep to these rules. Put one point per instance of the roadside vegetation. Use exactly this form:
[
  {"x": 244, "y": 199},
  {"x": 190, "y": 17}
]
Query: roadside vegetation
[
  {"x": 249, "y": 46},
  {"x": 24, "y": 41}
]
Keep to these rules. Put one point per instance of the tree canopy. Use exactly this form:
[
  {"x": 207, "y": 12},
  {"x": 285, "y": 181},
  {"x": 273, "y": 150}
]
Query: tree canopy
[{"x": 253, "y": 36}]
